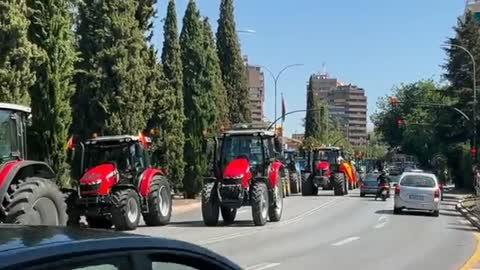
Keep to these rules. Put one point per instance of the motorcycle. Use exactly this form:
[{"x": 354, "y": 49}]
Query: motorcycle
[{"x": 384, "y": 191}]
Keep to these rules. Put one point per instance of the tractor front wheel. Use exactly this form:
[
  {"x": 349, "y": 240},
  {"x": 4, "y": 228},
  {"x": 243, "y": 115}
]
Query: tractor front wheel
[
  {"x": 210, "y": 206},
  {"x": 276, "y": 207},
  {"x": 307, "y": 186},
  {"x": 159, "y": 202},
  {"x": 339, "y": 184},
  {"x": 260, "y": 203},
  {"x": 36, "y": 201},
  {"x": 126, "y": 210},
  {"x": 294, "y": 183}
]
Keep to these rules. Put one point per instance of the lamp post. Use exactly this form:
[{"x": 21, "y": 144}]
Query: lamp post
[
  {"x": 275, "y": 80},
  {"x": 474, "y": 95}
]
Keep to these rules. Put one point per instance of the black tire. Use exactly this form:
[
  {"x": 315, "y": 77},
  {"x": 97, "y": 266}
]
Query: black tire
[
  {"x": 73, "y": 212},
  {"x": 397, "y": 211},
  {"x": 307, "y": 185},
  {"x": 36, "y": 201},
  {"x": 159, "y": 202},
  {"x": 210, "y": 206},
  {"x": 362, "y": 194},
  {"x": 294, "y": 183},
  {"x": 126, "y": 209},
  {"x": 260, "y": 203},
  {"x": 436, "y": 213},
  {"x": 338, "y": 183},
  {"x": 275, "y": 209},
  {"x": 228, "y": 214},
  {"x": 99, "y": 222}
]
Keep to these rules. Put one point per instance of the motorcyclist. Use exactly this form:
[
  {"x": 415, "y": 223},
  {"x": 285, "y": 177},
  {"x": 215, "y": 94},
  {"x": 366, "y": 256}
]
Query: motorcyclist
[{"x": 381, "y": 180}]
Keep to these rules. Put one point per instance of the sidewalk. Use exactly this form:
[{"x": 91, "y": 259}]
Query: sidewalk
[{"x": 180, "y": 206}]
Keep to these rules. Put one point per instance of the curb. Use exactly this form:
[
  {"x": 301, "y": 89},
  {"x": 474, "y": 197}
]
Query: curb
[{"x": 467, "y": 213}]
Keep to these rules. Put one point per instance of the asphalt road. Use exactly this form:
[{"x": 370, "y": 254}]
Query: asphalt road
[{"x": 327, "y": 232}]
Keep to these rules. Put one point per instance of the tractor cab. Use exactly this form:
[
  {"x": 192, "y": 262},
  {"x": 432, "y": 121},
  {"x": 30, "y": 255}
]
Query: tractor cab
[
  {"x": 126, "y": 154},
  {"x": 13, "y": 125}
]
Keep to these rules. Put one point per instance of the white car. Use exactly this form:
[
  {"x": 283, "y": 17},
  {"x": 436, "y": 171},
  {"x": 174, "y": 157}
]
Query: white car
[{"x": 417, "y": 191}]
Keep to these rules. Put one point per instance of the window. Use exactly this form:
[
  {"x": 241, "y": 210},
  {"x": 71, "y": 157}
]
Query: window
[{"x": 418, "y": 181}]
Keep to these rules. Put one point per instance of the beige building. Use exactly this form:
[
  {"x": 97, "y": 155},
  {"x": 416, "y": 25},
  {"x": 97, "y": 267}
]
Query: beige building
[
  {"x": 347, "y": 103},
  {"x": 474, "y": 7},
  {"x": 256, "y": 88}
]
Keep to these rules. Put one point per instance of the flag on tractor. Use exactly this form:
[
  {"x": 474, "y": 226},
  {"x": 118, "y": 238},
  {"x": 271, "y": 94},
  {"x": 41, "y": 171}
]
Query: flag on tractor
[{"x": 284, "y": 109}]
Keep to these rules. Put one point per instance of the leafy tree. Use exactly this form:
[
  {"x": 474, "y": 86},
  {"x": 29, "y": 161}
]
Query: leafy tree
[
  {"x": 198, "y": 100},
  {"x": 112, "y": 84},
  {"x": 316, "y": 121},
  {"x": 51, "y": 30},
  {"x": 172, "y": 118},
  {"x": 213, "y": 76},
  {"x": 233, "y": 69},
  {"x": 16, "y": 53}
]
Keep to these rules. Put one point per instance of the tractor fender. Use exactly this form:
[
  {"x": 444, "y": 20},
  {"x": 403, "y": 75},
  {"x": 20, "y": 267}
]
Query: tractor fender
[
  {"x": 21, "y": 169},
  {"x": 145, "y": 179},
  {"x": 274, "y": 173},
  {"x": 346, "y": 169}
]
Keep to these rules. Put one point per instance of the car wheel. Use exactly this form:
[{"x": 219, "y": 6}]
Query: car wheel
[
  {"x": 362, "y": 194},
  {"x": 436, "y": 213},
  {"x": 397, "y": 211}
]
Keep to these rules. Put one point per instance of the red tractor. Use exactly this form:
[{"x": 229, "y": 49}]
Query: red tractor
[
  {"x": 246, "y": 172},
  {"x": 28, "y": 193},
  {"x": 329, "y": 170},
  {"x": 118, "y": 185}
]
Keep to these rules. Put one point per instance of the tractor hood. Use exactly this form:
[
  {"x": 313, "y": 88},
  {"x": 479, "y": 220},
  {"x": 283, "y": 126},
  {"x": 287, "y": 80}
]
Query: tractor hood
[
  {"x": 99, "y": 180},
  {"x": 238, "y": 169},
  {"x": 323, "y": 165}
]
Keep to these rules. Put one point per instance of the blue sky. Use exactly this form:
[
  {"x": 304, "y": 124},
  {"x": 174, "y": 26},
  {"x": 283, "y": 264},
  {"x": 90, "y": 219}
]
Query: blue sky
[{"x": 374, "y": 44}]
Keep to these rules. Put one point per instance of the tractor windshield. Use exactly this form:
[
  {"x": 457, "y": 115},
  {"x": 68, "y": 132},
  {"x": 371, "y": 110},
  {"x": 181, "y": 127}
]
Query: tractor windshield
[
  {"x": 118, "y": 154},
  {"x": 325, "y": 155},
  {"x": 7, "y": 145},
  {"x": 249, "y": 147}
]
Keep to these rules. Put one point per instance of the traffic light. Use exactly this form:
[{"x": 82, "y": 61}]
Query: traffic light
[
  {"x": 474, "y": 151},
  {"x": 393, "y": 101},
  {"x": 400, "y": 122}
]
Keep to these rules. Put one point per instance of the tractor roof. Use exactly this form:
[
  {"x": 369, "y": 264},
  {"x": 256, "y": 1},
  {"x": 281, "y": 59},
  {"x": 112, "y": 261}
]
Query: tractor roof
[
  {"x": 252, "y": 132},
  {"x": 118, "y": 138},
  {"x": 327, "y": 148},
  {"x": 15, "y": 107}
]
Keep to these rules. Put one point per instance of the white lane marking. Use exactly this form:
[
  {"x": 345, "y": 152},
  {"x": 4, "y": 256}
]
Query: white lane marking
[
  {"x": 346, "y": 241},
  {"x": 305, "y": 214},
  {"x": 381, "y": 218},
  {"x": 381, "y": 225},
  {"x": 262, "y": 266}
]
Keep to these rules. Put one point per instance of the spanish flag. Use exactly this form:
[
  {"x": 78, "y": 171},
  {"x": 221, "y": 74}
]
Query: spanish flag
[{"x": 70, "y": 143}]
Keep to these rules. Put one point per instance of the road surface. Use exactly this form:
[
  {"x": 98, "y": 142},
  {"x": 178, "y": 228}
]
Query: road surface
[{"x": 327, "y": 232}]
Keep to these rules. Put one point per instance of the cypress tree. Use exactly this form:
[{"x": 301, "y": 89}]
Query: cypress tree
[
  {"x": 114, "y": 73},
  {"x": 16, "y": 53},
  {"x": 233, "y": 69},
  {"x": 313, "y": 120},
  {"x": 173, "y": 118},
  {"x": 213, "y": 76},
  {"x": 199, "y": 108},
  {"x": 51, "y": 31}
]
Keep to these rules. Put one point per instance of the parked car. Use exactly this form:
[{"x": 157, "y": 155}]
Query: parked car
[
  {"x": 370, "y": 185},
  {"x": 417, "y": 191},
  {"x": 66, "y": 248}
]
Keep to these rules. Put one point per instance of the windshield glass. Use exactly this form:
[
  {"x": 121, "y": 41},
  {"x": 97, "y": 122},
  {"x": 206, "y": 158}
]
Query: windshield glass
[
  {"x": 417, "y": 181},
  {"x": 6, "y": 142},
  {"x": 118, "y": 154},
  {"x": 325, "y": 155},
  {"x": 249, "y": 147}
]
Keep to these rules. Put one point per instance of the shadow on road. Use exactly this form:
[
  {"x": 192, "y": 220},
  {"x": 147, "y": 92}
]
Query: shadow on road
[
  {"x": 193, "y": 224},
  {"x": 463, "y": 228},
  {"x": 444, "y": 213},
  {"x": 403, "y": 213}
]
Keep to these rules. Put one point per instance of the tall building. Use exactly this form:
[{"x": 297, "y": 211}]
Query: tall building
[
  {"x": 256, "y": 88},
  {"x": 347, "y": 103}
]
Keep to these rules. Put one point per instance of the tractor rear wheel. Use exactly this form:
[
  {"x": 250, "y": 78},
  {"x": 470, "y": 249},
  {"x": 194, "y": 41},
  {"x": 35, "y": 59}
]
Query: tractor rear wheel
[
  {"x": 159, "y": 202},
  {"x": 35, "y": 201},
  {"x": 276, "y": 207},
  {"x": 260, "y": 203},
  {"x": 339, "y": 184},
  {"x": 99, "y": 222},
  {"x": 228, "y": 214},
  {"x": 210, "y": 206},
  {"x": 126, "y": 210},
  {"x": 308, "y": 188}
]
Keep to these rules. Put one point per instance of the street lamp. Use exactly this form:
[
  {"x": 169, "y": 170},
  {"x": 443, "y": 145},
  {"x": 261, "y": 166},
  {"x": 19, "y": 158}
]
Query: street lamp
[
  {"x": 275, "y": 80},
  {"x": 247, "y": 31},
  {"x": 474, "y": 94}
]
